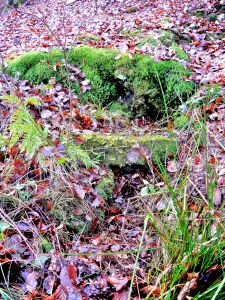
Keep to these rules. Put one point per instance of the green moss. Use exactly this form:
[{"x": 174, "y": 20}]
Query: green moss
[
  {"x": 199, "y": 14},
  {"x": 181, "y": 122},
  {"x": 41, "y": 72},
  {"x": 119, "y": 109},
  {"x": 212, "y": 17},
  {"x": 147, "y": 40},
  {"x": 111, "y": 78},
  {"x": 167, "y": 38},
  {"x": 118, "y": 149},
  {"x": 180, "y": 53},
  {"x": 63, "y": 213},
  {"x": 130, "y": 33},
  {"x": 164, "y": 21},
  {"x": 89, "y": 37},
  {"x": 106, "y": 186},
  {"x": 24, "y": 62}
]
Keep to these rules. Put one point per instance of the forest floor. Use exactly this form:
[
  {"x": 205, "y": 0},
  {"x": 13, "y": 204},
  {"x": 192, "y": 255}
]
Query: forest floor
[{"x": 41, "y": 258}]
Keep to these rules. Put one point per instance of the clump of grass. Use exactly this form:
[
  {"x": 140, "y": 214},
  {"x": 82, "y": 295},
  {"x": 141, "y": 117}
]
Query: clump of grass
[{"x": 188, "y": 232}]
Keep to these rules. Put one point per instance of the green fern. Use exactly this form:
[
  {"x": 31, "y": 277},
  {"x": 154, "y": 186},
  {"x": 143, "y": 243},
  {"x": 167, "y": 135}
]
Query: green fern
[
  {"x": 23, "y": 127},
  {"x": 76, "y": 153}
]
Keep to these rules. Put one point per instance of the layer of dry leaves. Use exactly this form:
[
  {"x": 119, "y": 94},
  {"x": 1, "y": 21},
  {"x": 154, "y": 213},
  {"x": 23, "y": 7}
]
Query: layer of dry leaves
[{"x": 52, "y": 275}]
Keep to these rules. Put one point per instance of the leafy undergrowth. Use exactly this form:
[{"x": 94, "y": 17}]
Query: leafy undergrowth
[
  {"x": 62, "y": 237},
  {"x": 154, "y": 232}
]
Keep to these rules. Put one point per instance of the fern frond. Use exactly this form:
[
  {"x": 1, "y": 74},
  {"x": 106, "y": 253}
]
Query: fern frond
[
  {"x": 12, "y": 99},
  {"x": 77, "y": 154},
  {"x": 31, "y": 134},
  {"x": 32, "y": 101}
]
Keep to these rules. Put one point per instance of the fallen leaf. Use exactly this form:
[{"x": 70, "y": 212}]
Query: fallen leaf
[
  {"x": 118, "y": 283},
  {"x": 217, "y": 197},
  {"x": 172, "y": 166}
]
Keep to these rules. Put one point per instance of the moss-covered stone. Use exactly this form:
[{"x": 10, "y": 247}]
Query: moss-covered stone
[
  {"x": 167, "y": 38},
  {"x": 88, "y": 37},
  {"x": 113, "y": 75},
  {"x": 130, "y": 33},
  {"x": 120, "y": 149},
  {"x": 106, "y": 186}
]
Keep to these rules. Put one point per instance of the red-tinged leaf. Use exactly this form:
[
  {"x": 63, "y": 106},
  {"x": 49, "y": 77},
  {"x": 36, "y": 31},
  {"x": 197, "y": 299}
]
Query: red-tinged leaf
[
  {"x": 197, "y": 160},
  {"x": 36, "y": 172},
  {"x": 94, "y": 224},
  {"x": 47, "y": 98},
  {"x": 57, "y": 293},
  {"x": 49, "y": 205},
  {"x": 65, "y": 279},
  {"x": 78, "y": 140},
  {"x": 19, "y": 167},
  {"x": 212, "y": 160},
  {"x": 193, "y": 207},
  {"x": 72, "y": 272},
  {"x": 52, "y": 108},
  {"x": 118, "y": 283},
  {"x": 151, "y": 290},
  {"x": 219, "y": 99},
  {"x": 172, "y": 166},
  {"x": 68, "y": 277},
  {"x": 44, "y": 45},
  {"x": 42, "y": 187},
  {"x": 121, "y": 295},
  {"x": 114, "y": 211}
]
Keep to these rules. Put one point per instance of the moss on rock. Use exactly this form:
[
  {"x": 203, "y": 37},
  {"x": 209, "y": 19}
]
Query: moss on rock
[
  {"x": 120, "y": 149},
  {"x": 111, "y": 78},
  {"x": 106, "y": 186}
]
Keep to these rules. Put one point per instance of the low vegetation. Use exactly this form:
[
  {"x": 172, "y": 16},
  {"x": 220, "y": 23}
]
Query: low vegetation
[{"x": 113, "y": 77}]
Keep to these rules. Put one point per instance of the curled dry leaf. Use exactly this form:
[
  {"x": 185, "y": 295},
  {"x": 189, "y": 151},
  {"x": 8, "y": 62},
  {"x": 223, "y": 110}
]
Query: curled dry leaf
[
  {"x": 217, "y": 197},
  {"x": 189, "y": 285},
  {"x": 68, "y": 276},
  {"x": 31, "y": 281},
  {"x": 118, "y": 283},
  {"x": 172, "y": 166},
  {"x": 121, "y": 295}
]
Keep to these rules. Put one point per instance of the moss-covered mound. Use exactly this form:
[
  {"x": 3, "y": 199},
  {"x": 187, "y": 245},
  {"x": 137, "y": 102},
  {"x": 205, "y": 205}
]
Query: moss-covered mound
[
  {"x": 121, "y": 149},
  {"x": 140, "y": 82}
]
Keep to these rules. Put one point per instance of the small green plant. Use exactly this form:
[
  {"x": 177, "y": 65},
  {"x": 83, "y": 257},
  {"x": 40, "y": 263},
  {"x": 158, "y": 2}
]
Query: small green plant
[
  {"x": 180, "y": 53},
  {"x": 167, "y": 38},
  {"x": 212, "y": 17},
  {"x": 23, "y": 128}
]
